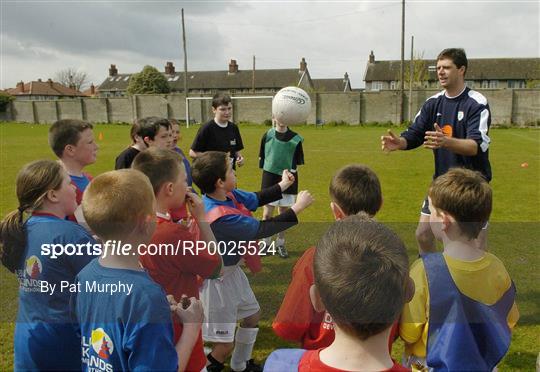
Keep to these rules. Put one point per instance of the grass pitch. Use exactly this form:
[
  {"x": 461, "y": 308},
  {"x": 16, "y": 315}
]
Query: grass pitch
[{"x": 405, "y": 176}]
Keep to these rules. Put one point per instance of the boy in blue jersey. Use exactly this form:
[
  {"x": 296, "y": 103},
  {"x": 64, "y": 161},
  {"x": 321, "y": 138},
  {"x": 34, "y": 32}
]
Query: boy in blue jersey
[
  {"x": 130, "y": 329},
  {"x": 229, "y": 299},
  {"x": 362, "y": 280},
  {"x": 454, "y": 124},
  {"x": 73, "y": 142},
  {"x": 45, "y": 338},
  {"x": 453, "y": 323}
]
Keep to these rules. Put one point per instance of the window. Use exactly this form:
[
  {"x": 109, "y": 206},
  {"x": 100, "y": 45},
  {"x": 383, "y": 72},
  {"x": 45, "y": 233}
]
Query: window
[
  {"x": 494, "y": 83},
  {"x": 516, "y": 84},
  {"x": 393, "y": 84},
  {"x": 485, "y": 84},
  {"x": 469, "y": 83},
  {"x": 376, "y": 85}
]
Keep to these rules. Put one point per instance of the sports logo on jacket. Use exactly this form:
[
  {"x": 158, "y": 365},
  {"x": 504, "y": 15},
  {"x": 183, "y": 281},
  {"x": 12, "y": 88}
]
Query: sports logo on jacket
[
  {"x": 460, "y": 115},
  {"x": 96, "y": 351},
  {"x": 33, "y": 267},
  {"x": 102, "y": 343}
]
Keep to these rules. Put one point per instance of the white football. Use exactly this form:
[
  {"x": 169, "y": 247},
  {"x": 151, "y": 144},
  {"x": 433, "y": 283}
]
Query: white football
[{"x": 291, "y": 105}]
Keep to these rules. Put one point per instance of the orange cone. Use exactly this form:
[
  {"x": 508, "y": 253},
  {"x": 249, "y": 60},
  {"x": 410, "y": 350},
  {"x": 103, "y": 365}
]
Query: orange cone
[{"x": 100, "y": 136}]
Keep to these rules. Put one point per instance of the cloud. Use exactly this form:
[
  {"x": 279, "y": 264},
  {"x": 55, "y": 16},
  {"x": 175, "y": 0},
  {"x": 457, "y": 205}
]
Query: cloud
[{"x": 334, "y": 37}]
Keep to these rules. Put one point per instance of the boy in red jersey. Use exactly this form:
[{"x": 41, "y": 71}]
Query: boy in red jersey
[
  {"x": 177, "y": 268},
  {"x": 354, "y": 188},
  {"x": 361, "y": 279}
]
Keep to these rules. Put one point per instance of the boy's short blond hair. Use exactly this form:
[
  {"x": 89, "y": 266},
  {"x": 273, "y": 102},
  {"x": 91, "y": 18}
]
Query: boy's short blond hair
[
  {"x": 159, "y": 165},
  {"x": 115, "y": 202},
  {"x": 466, "y": 195}
]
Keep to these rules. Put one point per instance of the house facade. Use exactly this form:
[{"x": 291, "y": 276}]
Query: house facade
[
  {"x": 43, "y": 90},
  {"x": 233, "y": 81},
  {"x": 482, "y": 73},
  {"x": 332, "y": 85}
]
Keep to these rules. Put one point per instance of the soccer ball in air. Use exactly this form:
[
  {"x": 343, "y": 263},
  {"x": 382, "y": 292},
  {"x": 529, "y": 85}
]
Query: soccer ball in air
[{"x": 291, "y": 105}]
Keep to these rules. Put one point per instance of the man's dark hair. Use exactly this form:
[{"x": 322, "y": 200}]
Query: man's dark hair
[
  {"x": 66, "y": 132},
  {"x": 221, "y": 99},
  {"x": 361, "y": 272},
  {"x": 356, "y": 188},
  {"x": 208, "y": 168},
  {"x": 457, "y": 55},
  {"x": 149, "y": 126}
]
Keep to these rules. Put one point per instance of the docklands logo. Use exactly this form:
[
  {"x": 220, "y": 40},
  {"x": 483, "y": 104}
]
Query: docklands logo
[
  {"x": 29, "y": 275},
  {"x": 102, "y": 349},
  {"x": 300, "y": 101},
  {"x": 33, "y": 267}
]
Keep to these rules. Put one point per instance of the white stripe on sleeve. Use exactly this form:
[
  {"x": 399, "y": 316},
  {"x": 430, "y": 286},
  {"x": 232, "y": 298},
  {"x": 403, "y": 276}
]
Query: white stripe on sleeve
[{"x": 483, "y": 127}]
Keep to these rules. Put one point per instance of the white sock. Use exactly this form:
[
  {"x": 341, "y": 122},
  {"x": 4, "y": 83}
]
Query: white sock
[{"x": 243, "y": 347}]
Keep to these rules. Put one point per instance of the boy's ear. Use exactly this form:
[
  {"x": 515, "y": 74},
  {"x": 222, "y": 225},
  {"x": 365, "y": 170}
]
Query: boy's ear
[
  {"x": 447, "y": 220},
  {"x": 315, "y": 298},
  {"x": 219, "y": 183},
  {"x": 337, "y": 211},
  {"x": 410, "y": 288},
  {"x": 146, "y": 225}
]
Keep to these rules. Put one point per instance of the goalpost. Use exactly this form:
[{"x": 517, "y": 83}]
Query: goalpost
[{"x": 207, "y": 98}]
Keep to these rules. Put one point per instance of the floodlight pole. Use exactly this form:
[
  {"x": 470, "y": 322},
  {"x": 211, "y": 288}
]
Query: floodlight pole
[
  {"x": 401, "y": 91},
  {"x": 411, "y": 71},
  {"x": 185, "y": 68}
]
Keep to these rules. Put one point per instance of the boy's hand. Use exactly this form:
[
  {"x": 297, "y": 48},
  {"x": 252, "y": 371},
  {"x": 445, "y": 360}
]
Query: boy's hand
[
  {"x": 190, "y": 311},
  {"x": 172, "y": 303},
  {"x": 195, "y": 206},
  {"x": 303, "y": 200},
  {"x": 239, "y": 159},
  {"x": 287, "y": 179}
]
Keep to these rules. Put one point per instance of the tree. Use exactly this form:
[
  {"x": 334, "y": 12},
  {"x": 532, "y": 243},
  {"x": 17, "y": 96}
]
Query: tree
[
  {"x": 420, "y": 72},
  {"x": 71, "y": 77},
  {"x": 148, "y": 81},
  {"x": 5, "y": 99}
]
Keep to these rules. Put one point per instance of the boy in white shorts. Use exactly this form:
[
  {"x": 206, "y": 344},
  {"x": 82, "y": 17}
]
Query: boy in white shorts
[
  {"x": 281, "y": 149},
  {"x": 229, "y": 299}
]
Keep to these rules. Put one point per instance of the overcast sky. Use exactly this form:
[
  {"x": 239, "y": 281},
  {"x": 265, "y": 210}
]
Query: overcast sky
[{"x": 39, "y": 38}]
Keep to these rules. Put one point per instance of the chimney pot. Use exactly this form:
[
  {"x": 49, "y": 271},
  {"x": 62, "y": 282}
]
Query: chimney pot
[
  {"x": 169, "y": 68},
  {"x": 20, "y": 86},
  {"x": 371, "y": 57},
  {"x": 50, "y": 82},
  {"x": 303, "y": 64},
  {"x": 92, "y": 89},
  {"x": 233, "y": 66},
  {"x": 113, "y": 71},
  {"x": 39, "y": 80}
]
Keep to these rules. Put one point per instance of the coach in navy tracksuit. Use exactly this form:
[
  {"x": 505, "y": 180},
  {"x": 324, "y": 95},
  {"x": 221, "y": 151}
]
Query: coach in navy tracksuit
[{"x": 453, "y": 123}]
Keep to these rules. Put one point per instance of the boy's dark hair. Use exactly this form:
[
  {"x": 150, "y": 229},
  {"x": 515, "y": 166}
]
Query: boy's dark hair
[
  {"x": 221, "y": 99},
  {"x": 361, "y": 271},
  {"x": 466, "y": 195},
  {"x": 457, "y": 55},
  {"x": 356, "y": 188},
  {"x": 66, "y": 132},
  {"x": 149, "y": 126},
  {"x": 159, "y": 165},
  {"x": 208, "y": 168},
  {"x": 134, "y": 131}
]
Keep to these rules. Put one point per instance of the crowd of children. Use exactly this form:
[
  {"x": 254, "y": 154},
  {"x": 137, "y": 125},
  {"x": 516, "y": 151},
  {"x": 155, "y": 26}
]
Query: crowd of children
[{"x": 351, "y": 295}]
